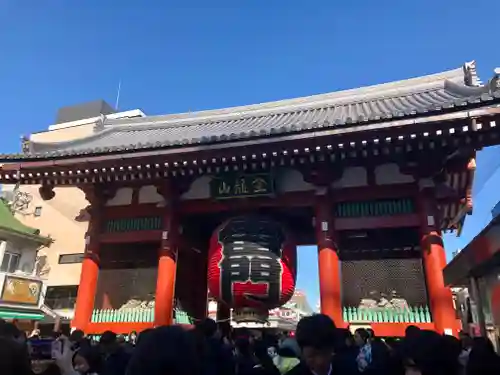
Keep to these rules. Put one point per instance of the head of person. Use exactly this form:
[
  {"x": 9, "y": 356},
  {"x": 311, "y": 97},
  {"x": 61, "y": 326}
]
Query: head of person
[
  {"x": 371, "y": 334},
  {"x": 453, "y": 346},
  {"x": 345, "y": 338},
  {"x": 391, "y": 343},
  {"x": 10, "y": 331},
  {"x": 429, "y": 354},
  {"x": 316, "y": 336},
  {"x": 120, "y": 339},
  {"x": 412, "y": 332},
  {"x": 289, "y": 348},
  {"x": 243, "y": 346},
  {"x": 207, "y": 328},
  {"x": 87, "y": 360},
  {"x": 465, "y": 340},
  {"x": 361, "y": 337},
  {"x": 108, "y": 343},
  {"x": 76, "y": 336},
  {"x": 132, "y": 337},
  {"x": 165, "y": 350}
]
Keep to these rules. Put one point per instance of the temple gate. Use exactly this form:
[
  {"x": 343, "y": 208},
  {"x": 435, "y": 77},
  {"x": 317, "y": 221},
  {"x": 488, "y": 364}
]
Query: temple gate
[{"x": 372, "y": 176}]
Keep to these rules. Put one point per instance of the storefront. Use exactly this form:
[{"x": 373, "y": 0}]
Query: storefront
[
  {"x": 477, "y": 267},
  {"x": 21, "y": 300},
  {"x": 22, "y": 291}
]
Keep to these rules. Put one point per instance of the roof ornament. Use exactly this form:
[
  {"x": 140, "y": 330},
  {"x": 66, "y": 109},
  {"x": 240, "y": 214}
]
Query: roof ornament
[
  {"x": 471, "y": 77},
  {"x": 18, "y": 201},
  {"x": 99, "y": 125},
  {"x": 494, "y": 83},
  {"x": 25, "y": 144}
]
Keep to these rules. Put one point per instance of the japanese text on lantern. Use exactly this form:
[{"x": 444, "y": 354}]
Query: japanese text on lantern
[
  {"x": 261, "y": 274},
  {"x": 239, "y": 186}
]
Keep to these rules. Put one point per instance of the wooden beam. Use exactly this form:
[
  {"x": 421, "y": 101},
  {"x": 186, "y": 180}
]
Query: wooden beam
[
  {"x": 129, "y": 237},
  {"x": 293, "y": 199},
  {"x": 289, "y": 199}
]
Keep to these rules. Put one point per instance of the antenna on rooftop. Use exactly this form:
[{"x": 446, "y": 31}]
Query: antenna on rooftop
[{"x": 118, "y": 94}]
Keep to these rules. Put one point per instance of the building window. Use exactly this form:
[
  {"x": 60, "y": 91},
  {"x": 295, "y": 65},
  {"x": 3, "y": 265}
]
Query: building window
[
  {"x": 38, "y": 211},
  {"x": 70, "y": 258},
  {"x": 61, "y": 297},
  {"x": 10, "y": 262}
]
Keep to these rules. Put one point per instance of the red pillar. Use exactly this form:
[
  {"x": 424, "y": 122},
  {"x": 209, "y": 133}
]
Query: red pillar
[
  {"x": 434, "y": 258},
  {"x": 90, "y": 270},
  {"x": 167, "y": 267},
  {"x": 328, "y": 262}
]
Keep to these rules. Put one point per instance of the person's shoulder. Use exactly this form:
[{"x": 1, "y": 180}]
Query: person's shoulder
[{"x": 300, "y": 369}]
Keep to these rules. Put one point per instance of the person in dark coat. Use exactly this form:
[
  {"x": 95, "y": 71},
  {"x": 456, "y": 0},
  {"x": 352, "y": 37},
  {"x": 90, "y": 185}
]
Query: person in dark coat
[
  {"x": 14, "y": 357},
  {"x": 115, "y": 358},
  {"x": 252, "y": 358},
  {"x": 318, "y": 337},
  {"x": 429, "y": 353},
  {"x": 380, "y": 355},
  {"x": 217, "y": 357},
  {"x": 165, "y": 351}
]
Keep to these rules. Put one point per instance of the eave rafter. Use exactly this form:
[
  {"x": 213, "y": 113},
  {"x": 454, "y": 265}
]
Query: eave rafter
[{"x": 301, "y": 149}]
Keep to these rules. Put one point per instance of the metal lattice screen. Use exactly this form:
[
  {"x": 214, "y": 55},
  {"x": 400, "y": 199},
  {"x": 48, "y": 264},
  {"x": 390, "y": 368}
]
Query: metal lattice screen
[
  {"x": 362, "y": 279},
  {"x": 124, "y": 285}
]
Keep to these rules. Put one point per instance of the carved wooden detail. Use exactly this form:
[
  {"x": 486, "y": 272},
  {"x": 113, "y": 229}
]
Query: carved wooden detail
[
  {"x": 171, "y": 189},
  {"x": 98, "y": 194},
  {"x": 323, "y": 175},
  {"x": 422, "y": 170},
  {"x": 46, "y": 192}
]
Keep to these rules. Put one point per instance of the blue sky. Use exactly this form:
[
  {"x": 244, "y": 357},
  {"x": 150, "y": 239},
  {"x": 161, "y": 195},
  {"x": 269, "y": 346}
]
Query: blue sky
[{"x": 200, "y": 55}]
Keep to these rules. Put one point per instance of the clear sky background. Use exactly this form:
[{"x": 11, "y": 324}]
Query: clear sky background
[{"x": 177, "y": 56}]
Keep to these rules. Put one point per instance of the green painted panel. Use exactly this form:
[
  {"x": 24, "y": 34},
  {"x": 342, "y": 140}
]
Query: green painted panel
[
  {"x": 375, "y": 208},
  {"x": 418, "y": 314},
  {"x": 135, "y": 315},
  {"x": 20, "y": 315},
  {"x": 133, "y": 224}
]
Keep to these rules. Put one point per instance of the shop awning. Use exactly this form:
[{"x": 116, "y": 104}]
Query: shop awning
[{"x": 21, "y": 315}]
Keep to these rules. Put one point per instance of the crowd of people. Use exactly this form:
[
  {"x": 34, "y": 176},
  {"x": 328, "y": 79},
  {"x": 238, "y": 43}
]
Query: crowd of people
[{"x": 318, "y": 347}]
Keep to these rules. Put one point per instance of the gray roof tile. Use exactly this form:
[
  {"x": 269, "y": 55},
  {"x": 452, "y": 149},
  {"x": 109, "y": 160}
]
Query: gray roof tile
[{"x": 412, "y": 97}]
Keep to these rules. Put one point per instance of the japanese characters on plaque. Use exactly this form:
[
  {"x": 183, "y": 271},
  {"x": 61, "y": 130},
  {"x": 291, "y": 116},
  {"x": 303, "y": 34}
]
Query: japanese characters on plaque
[{"x": 241, "y": 185}]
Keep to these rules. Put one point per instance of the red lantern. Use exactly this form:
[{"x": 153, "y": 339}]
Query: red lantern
[{"x": 251, "y": 266}]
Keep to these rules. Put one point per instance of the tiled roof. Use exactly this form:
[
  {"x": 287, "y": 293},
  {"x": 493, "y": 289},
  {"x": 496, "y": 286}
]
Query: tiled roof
[
  {"x": 448, "y": 91},
  {"x": 10, "y": 224}
]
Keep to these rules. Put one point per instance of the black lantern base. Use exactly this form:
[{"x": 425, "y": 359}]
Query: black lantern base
[{"x": 250, "y": 314}]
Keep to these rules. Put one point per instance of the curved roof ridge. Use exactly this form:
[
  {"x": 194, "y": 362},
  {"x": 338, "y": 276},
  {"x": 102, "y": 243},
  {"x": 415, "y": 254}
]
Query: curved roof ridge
[
  {"x": 355, "y": 95},
  {"x": 398, "y": 98}
]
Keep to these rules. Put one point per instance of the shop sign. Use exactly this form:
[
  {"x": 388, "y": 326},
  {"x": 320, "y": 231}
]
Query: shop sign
[
  {"x": 17, "y": 290},
  {"x": 242, "y": 185}
]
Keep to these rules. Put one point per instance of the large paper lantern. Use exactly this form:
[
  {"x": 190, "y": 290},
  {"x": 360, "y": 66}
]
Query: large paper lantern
[{"x": 251, "y": 266}]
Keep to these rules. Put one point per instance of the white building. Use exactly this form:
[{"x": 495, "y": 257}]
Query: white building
[
  {"x": 64, "y": 217},
  {"x": 285, "y": 317}
]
